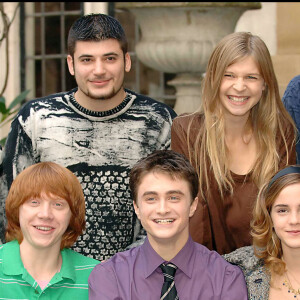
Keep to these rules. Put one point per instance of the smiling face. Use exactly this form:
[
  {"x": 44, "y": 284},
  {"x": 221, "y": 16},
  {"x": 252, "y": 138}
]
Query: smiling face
[
  {"x": 43, "y": 221},
  {"x": 241, "y": 87},
  {"x": 99, "y": 68},
  {"x": 285, "y": 214},
  {"x": 164, "y": 206}
]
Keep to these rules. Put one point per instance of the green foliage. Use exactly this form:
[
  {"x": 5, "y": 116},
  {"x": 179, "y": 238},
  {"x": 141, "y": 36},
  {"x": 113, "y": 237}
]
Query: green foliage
[{"x": 8, "y": 113}]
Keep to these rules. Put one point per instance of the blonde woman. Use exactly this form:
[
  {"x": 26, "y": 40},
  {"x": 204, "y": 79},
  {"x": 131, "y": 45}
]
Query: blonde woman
[
  {"x": 238, "y": 139},
  {"x": 272, "y": 267}
]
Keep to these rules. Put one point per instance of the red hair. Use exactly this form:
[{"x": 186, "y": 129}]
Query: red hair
[{"x": 53, "y": 180}]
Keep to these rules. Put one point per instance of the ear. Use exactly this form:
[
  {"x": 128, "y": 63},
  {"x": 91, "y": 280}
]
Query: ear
[
  {"x": 70, "y": 64},
  {"x": 193, "y": 207},
  {"x": 127, "y": 62},
  {"x": 137, "y": 210}
]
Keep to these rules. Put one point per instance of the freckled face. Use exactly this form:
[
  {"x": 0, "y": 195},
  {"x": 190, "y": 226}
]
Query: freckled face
[
  {"x": 43, "y": 221},
  {"x": 241, "y": 87}
]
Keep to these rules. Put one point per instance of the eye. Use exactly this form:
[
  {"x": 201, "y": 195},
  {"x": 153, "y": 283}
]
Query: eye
[
  {"x": 111, "y": 58},
  {"x": 59, "y": 204},
  {"x": 150, "y": 199},
  {"x": 85, "y": 60},
  {"x": 228, "y": 75},
  {"x": 33, "y": 202},
  {"x": 174, "y": 198},
  {"x": 251, "y": 77},
  {"x": 282, "y": 210}
]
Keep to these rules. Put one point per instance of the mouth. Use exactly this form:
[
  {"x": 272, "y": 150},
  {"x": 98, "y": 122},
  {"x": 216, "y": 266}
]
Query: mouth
[
  {"x": 293, "y": 232},
  {"x": 100, "y": 82},
  {"x": 164, "y": 221},
  {"x": 238, "y": 99},
  {"x": 43, "y": 228}
]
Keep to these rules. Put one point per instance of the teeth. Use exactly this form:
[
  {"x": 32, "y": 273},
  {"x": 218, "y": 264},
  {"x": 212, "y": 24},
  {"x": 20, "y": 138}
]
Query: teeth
[
  {"x": 237, "y": 99},
  {"x": 43, "y": 228},
  {"x": 164, "y": 221}
]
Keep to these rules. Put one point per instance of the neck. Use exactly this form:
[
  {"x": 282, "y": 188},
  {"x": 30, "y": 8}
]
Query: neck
[
  {"x": 41, "y": 264},
  {"x": 99, "y": 104},
  {"x": 167, "y": 249},
  {"x": 291, "y": 258},
  {"x": 238, "y": 127}
]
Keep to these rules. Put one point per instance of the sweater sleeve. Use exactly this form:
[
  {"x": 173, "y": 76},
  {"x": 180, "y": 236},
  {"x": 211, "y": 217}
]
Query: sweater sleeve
[{"x": 16, "y": 156}]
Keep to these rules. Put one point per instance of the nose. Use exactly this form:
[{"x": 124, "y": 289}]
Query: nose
[
  {"x": 294, "y": 217},
  {"x": 162, "y": 207},
  {"x": 45, "y": 211},
  {"x": 239, "y": 84},
  {"x": 99, "y": 68}
]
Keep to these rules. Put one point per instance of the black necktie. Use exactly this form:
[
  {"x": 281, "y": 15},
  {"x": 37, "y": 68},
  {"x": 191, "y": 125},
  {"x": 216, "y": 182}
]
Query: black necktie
[{"x": 168, "y": 291}]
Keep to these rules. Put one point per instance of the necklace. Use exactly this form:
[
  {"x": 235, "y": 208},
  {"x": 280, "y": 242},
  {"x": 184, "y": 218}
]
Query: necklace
[{"x": 288, "y": 284}]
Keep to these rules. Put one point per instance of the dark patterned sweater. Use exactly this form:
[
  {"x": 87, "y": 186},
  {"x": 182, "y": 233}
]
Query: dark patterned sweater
[{"x": 99, "y": 148}]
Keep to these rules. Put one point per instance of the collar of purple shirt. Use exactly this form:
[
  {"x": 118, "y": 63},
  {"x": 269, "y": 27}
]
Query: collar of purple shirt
[{"x": 184, "y": 259}]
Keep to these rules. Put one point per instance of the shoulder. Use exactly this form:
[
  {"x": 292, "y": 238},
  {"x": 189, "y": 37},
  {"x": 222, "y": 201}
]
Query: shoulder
[
  {"x": 187, "y": 123},
  {"x": 153, "y": 105},
  {"x": 255, "y": 273},
  {"x": 78, "y": 260},
  {"x": 214, "y": 262},
  {"x": 243, "y": 257},
  {"x": 121, "y": 262},
  {"x": 9, "y": 252},
  {"x": 2, "y": 246},
  {"x": 194, "y": 120},
  {"x": 53, "y": 101},
  {"x": 292, "y": 92}
]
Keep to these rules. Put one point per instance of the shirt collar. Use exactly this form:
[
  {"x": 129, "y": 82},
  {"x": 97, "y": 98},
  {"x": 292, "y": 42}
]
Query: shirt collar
[
  {"x": 13, "y": 265},
  {"x": 184, "y": 259},
  {"x": 67, "y": 268}
]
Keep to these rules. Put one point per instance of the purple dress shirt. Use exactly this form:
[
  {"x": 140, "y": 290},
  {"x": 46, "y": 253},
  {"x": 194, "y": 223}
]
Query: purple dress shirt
[{"x": 135, "y": 275}]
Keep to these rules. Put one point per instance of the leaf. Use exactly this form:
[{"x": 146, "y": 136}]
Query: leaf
[
  {"x": 5, "y": 119},
  {"x": 3, "y": 109},
  {"x": 18, "y": 99}
]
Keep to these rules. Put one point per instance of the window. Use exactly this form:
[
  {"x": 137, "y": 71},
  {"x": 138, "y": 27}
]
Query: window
[{"x": 44, "y": 46}]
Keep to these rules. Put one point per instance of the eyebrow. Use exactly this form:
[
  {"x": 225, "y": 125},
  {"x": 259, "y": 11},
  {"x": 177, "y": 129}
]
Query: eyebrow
[
  {"x": 111, "y": 53},
  {"x": 106, "y": 54},
  {"x": 280, "y": 205},
  {"x": 168, "y": 192},
  {"x": 257, "y": 74}
]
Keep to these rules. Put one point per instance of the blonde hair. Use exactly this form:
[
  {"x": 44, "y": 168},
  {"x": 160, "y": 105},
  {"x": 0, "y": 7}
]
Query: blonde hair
[
  {"x": 267, "y": 245},
  {"x": 267, "y": 117}
]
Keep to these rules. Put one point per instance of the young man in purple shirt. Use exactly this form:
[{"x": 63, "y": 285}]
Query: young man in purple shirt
[{"x": 164, "y": 188}]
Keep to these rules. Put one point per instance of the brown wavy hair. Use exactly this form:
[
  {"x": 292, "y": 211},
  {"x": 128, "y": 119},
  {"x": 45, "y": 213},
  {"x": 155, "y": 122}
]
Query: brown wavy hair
[
  {"x": 266, "y": 243},
  {"x": 53, "y": 180},
  {"x": 267, "y": 118}
]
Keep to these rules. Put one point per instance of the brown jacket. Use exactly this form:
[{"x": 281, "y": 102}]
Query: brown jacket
[{"x": 224, "y": 225}]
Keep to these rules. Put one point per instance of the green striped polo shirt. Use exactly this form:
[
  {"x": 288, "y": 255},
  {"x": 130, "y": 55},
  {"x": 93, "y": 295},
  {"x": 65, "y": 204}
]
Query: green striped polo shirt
[{"x": 70, "y": 283}]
